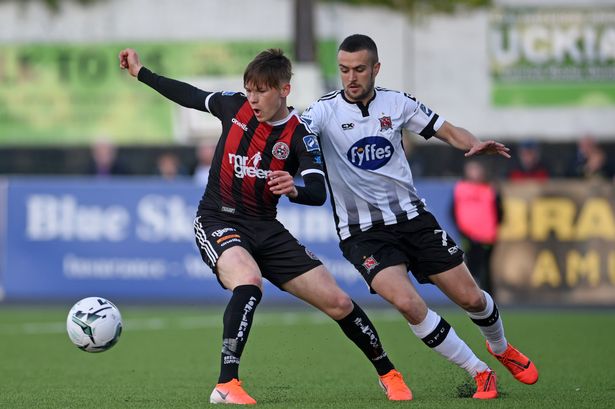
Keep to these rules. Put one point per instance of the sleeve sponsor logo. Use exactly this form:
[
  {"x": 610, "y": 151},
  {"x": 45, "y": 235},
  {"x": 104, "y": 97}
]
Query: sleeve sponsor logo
[
  {"x": 311, "y": 143},
  {"x": 228, "y": 93},
  {"x": 425, "y": 109}
]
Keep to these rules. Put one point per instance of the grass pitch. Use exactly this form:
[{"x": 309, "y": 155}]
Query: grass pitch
[{"x": 169, "y": 357}]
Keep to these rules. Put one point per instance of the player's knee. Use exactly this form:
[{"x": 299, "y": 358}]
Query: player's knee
[
  {"x": 251, "y": 279},
  {"x": 474, "y": 302},
  {"x": 341, "y": 305},
  {"x": 411, "y": 308}
]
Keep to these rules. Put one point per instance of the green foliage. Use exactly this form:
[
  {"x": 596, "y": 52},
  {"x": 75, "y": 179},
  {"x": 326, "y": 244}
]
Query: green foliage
[{"x": 423, "y": 6}]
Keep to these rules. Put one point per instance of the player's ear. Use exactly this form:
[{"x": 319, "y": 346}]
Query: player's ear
[
  {"x": 376, "y": 68},
  {"x": 285, "y": 90}
]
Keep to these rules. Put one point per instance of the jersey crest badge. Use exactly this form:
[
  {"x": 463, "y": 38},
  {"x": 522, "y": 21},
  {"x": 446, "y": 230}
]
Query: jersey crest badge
[
  {"x": 385, "y": 123},
  {"x": 280, "y": 151}
]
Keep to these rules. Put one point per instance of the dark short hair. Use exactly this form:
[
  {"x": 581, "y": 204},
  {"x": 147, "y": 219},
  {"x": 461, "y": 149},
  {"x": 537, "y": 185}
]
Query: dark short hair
[
  {"x": 269, "y": 68},
  {"x": 359, "y": 42}
]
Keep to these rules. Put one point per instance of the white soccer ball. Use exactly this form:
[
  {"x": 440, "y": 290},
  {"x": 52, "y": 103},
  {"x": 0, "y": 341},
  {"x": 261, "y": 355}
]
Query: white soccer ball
[{"x": 94, "y": 324}]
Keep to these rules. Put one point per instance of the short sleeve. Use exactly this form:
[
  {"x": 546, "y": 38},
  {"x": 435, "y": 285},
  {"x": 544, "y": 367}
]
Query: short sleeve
[
  {"x": 419, "y": 118},
  {"x": 312, "y": 118}
]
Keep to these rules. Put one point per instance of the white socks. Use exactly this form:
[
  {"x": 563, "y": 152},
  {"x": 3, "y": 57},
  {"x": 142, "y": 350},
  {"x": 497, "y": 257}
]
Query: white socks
[
  {"x": 437, "y": 334},
  {"x": 491, "y": 326}
]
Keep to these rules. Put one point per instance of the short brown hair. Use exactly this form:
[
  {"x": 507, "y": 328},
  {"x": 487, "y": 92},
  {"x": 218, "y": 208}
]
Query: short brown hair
[{"x": 270, "y": 68}]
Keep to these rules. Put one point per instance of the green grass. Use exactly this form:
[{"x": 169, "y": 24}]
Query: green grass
[{"x": 168, "y": 358}]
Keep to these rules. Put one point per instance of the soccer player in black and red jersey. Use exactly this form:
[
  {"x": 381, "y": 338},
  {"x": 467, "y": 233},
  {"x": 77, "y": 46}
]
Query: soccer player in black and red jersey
[{"x": 262, "y": 146}]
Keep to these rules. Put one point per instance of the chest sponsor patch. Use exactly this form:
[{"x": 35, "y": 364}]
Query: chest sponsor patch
[{"x": 370, "y": 153}]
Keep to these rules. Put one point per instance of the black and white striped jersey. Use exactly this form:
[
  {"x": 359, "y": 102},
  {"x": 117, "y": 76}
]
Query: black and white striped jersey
[{"x": 364, "y": 160}]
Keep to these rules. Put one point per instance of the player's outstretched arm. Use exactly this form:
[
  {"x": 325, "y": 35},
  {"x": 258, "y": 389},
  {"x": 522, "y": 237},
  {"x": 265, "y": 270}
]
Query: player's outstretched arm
[
  {"x": 463, "y": 139},
  {"x": 180, "y": 92}
]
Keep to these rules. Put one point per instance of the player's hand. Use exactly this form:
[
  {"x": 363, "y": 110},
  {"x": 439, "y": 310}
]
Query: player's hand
[
  {"x": 282, "y": 183},
  {"x": 488, "y": 148},
  {"x": 129, "y": 60}
]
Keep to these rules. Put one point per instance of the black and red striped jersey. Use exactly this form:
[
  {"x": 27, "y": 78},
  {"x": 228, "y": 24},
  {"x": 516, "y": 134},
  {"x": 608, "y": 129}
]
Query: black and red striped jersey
[{"x": 248, "y": 151}]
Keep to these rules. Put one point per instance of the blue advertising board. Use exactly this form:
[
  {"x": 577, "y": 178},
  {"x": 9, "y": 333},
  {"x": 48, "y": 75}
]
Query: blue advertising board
[
  {"x": 132, "y": 239},
  {"x": 3, "y": 218}
]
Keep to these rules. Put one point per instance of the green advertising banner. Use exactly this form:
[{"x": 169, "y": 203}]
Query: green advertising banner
[
  {"x": 552, "y": 56},
  {"x": 73, "y": 93}
]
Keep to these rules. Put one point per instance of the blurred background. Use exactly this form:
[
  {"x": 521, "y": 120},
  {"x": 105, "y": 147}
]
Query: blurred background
[{"x": 100, "y": 176}]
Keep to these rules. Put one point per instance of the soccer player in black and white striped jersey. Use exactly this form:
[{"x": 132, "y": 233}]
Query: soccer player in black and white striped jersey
[
  {"x": 384, "y": 226},
  {"x": 262, "y": 146}
]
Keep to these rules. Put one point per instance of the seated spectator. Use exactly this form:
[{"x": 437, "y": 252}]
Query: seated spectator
[
  {"x": 528, "y": 164},
  {"x": 169, "y": 166},
  {"x": 104, "y": 161},
  {"x": 591, "y": 162}
]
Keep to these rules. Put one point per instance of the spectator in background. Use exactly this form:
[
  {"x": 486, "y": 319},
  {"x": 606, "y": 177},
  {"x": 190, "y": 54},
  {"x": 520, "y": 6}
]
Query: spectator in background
[
  {"x": 104, "y": 161},
  {"x": 477, "y": 212},
  {"x": 204, "y": 156},
  {"x": 590, "y": 162},
  {"x": 529, "y": 165},
  {"x": 168, "y": 166}
]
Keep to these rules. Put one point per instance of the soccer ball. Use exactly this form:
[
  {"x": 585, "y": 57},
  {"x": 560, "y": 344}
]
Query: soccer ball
[{"x": 94, "y": 324}]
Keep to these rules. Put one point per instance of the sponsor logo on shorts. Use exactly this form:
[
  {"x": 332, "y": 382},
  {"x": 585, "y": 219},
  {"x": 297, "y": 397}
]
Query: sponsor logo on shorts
[
  {"x": 219, "y": 233},
  {"x": 228, "y": 237},
  {"x": 370, "y": 263},
  {"x": 453, "y": 250},
  {"x": 227, "y": 209},
  {"x": 229, "y": 241},
  {"x": 280, "y": 151}
]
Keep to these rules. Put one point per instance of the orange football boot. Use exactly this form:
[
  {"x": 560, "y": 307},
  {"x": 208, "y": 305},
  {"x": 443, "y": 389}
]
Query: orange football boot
[
  {"x": 518, "y": 364},
  {"x": 486, "y": 387},
  {"x": 231, "y": 392},
  {"x": 394, "y": 386}
]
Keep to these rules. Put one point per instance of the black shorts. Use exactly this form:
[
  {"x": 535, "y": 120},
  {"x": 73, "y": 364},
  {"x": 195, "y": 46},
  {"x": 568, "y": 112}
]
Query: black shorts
[
  {"x": 420, "y": 243},
  {"x": 278, "y": 254}
]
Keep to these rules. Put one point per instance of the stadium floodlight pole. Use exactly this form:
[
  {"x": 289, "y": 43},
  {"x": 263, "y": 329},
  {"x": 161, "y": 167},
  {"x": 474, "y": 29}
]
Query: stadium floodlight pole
[{"x": 304, "y": 41}]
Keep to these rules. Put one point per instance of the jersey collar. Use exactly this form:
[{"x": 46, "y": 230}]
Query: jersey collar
[
  {"x": 291, "y": 111},
  {"x": 363, "y": 108}
]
